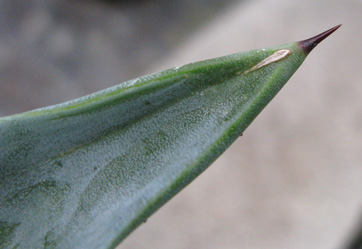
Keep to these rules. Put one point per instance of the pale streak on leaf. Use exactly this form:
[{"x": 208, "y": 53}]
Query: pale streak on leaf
[{"x": 277, "y": 56}]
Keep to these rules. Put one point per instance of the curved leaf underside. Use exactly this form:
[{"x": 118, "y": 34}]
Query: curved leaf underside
[{"x": 85, "y": 173}]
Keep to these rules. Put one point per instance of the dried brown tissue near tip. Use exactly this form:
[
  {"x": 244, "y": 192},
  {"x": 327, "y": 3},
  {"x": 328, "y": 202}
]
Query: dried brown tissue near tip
[
  {"x": 276, "y": 56},
  {"x": 306, "y": 45}
]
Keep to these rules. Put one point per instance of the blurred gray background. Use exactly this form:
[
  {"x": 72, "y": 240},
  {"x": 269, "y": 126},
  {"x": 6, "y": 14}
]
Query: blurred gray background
[{"x": 294, "y": 180}]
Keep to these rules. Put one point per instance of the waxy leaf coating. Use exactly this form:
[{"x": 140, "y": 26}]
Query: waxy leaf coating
[{"x": 85, "y": 173}]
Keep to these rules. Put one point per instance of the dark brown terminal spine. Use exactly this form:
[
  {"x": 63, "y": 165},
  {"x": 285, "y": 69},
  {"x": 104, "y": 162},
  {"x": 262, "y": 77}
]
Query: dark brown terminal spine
[{"x": 309, "y": 44}]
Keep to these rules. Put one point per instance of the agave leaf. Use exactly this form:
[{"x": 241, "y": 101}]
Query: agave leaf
[{"x": 85, "y": 173}]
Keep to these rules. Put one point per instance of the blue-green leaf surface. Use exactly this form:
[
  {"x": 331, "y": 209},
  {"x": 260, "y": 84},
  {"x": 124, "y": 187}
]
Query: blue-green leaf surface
[{"x": 85, "y": 173}]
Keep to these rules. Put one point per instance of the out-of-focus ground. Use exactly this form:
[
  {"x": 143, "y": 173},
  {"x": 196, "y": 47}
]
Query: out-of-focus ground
[
  {"x": 53, "y": 51},
  {"x": 294, "y": 180}
]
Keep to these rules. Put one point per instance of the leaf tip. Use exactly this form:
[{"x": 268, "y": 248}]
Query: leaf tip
[{"x": 308, "y": 44}]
